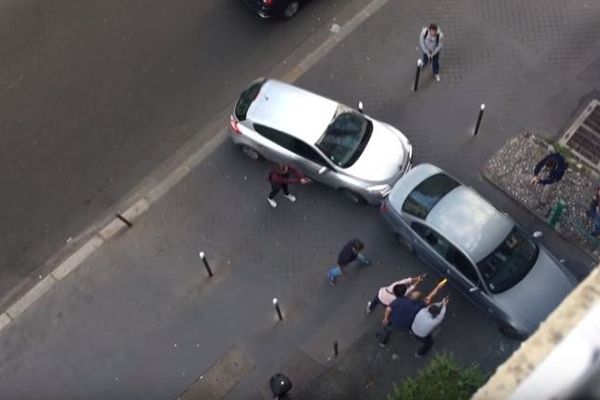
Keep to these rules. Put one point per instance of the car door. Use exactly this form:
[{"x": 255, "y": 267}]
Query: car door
[
  {"x": 428, "y": 244},
  {"x": 278, "y": 146},
  {"x": 450, "y": 262},
  {"x": 465, "y": 277},
  {"x": 311, "y": 162}
]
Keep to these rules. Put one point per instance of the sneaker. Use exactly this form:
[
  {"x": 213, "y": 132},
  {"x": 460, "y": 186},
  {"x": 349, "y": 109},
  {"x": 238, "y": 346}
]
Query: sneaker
[
  {"x": 331, "y": 281},
  {"x": 290, "y": 197},
  {"x": 272, "y": 202},
  {"x": 369, "y": 308},
  {"x": 436, "y": 77}
]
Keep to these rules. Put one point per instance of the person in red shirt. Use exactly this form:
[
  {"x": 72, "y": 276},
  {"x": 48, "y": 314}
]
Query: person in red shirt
[{"x": 280, "y": 177}]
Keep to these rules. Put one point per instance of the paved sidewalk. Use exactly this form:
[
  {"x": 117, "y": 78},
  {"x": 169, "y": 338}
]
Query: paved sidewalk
[
  {"x": 141, "y": 320},
  {"x": 532, "y": 72}
]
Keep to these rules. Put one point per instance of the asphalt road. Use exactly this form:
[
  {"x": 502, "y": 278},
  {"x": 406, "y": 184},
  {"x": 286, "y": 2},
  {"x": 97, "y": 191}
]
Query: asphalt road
[{"x": 96, "y": 94}]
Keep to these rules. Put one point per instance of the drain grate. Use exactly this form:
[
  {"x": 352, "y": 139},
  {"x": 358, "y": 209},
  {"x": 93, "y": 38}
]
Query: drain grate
[{"x": 583, "y": 137}]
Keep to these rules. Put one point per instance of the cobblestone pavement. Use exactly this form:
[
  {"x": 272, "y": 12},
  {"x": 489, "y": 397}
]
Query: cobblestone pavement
[{"x": 511, "y": 168}]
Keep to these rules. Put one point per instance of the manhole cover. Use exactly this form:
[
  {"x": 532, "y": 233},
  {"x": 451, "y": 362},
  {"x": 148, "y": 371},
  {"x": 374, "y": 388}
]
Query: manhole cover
[{"x": 583, "y": 137}]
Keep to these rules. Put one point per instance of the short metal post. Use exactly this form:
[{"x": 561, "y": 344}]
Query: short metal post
[
  {"x": 479, "y": 117},
  {"x": 276, "y": 304},
  {"x": 205, "y": 261},
  {"x": 124, "y": 220},
  {"x": 335, "y": 349},
  {"x": 418, "y": 74}
]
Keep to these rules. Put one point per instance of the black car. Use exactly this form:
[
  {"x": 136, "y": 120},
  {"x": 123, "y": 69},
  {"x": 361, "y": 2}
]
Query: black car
[{"x": 285, "y": 9}]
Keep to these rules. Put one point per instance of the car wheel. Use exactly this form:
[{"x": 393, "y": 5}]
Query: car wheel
[
  {"x": 354, "y": 197},
  {"x": 512, "y": 333},
  {"x": 251, "y": 153},
  {"x": 404, "y": 243},
  {"x": 291, "y": 9}
]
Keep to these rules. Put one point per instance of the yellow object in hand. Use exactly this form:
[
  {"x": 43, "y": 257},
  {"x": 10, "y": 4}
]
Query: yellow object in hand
[{"x": 443, "y": 282}]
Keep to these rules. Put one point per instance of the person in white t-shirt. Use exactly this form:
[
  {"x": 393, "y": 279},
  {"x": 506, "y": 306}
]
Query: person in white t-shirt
[
  {"x": 426, "y": 320},
  {"x": 387, "y": 294}
]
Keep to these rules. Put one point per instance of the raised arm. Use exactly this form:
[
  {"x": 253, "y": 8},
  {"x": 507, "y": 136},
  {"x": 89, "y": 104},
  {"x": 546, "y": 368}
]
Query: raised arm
[{"x": 435, "y": 291}]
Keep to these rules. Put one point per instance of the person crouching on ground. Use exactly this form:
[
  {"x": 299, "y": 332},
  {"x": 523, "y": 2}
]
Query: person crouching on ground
[{"x": 350, "y": 252}]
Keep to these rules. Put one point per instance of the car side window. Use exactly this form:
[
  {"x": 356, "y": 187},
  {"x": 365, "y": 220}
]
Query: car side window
[
  {"x": 462, "y": 263},
  {"x": 446, "y": 250},
  {"x": 282, "y": 139},
  {"x": 434, "y": 239},
  {"x": 307, "y": 152}
]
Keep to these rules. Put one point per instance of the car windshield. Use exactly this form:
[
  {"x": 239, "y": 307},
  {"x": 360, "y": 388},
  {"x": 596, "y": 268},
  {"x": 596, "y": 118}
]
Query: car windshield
[
  {"x": 346, "y": 137},
  {"x": 246, "y": 99},
  {"x": 509, "y": 262},
  {"x": 427, "y": 194}
]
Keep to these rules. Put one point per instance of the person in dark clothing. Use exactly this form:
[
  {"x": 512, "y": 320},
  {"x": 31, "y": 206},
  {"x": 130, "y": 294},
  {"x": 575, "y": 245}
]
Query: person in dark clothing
[
  {"x": 400, "y": 314},
  {"x": 350, "y": 252},
  {"x": 594, "y": 213},
  {"x": 548, "y": 171},
  {"x": 280, "y": 177}
]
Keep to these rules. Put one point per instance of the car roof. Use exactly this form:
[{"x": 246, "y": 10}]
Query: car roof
[
  {"x": 470, "y": 222},
  {"x": 462, "y": 215},
  {"x": 292, "y": 110}
]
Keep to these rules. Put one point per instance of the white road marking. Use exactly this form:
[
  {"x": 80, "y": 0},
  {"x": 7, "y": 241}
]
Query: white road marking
[
  {"x": 75, "y": 260},
  {"x": 30, "y": 297}
]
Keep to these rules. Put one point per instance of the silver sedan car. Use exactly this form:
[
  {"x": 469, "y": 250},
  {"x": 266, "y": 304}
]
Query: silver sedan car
[
  {"x": 481, "y": 250},
  {"x": 328, "y": 141}
]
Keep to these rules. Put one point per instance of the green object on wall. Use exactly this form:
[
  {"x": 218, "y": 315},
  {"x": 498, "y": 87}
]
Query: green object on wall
[{"x": 556, "y": 213}]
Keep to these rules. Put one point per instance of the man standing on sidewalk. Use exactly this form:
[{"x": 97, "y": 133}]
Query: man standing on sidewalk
[
  {"x": 401, "y": 313},
  {"x": 431, "y": 40},
  {"x": 350, "y": 252},
  {"x": 389, "y": 293},
  {"x": 426, "y": 320},
  {"x": 280, "y": 177},
  {"x": 548, "y": 171}
]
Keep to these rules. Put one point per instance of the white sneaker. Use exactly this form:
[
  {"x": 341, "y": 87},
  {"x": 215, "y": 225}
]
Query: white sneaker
[
  {"x": 368, "y": 307},
  {"x": 272, "y": 202},
  {"x": 436, "y": 77},
  {"x": 290, "y": 197}
]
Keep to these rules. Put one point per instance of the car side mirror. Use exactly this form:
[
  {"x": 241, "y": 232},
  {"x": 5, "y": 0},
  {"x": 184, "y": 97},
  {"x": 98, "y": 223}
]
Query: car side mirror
[
  {"x": 360, "y": 106},
  {"x": 537, "y": 234},
  {"x": 473, "y": 289},
  {"x": 322, "y": 170}
]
